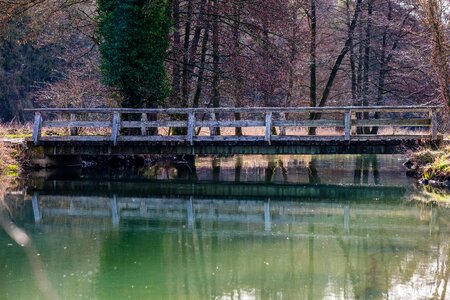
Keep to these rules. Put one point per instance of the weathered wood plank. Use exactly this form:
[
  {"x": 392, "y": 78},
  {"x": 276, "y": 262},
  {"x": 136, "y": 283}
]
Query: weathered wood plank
[
  {"x": 309, "y": 123},
  {"x": 152, "y": 138},
  {"x": 71, "y": 124},
  {"x": 268, "y": 132},
  {"x": 328, "y": 109},
  {"x": 312, "y": 138},
  {"x": 242, "y": 123},
  {"x": 153, "y": 124},
  {"x": 73, "y": 130},
  {"x": 115, "y": 127},
  {"x": 144, "y": 119},
  {"x": 228, "y": 138},
  {"x": 348, "y": 126},
  {"x": 367, "y": 137},
  {"x": 392, "y": 122},
  {"x": 79, "y": 138},
  {"x": 434, "y": 126},
  {"x": 37, "y": 127},
  {"x": 191, "y": 128}
]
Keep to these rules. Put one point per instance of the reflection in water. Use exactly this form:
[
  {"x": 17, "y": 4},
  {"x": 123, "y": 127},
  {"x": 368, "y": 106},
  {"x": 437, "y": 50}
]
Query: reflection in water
[
  {"x": 21, "y": 239},
  {"x": 365, "y": 164},
  {"x": 198, "y": 238}
]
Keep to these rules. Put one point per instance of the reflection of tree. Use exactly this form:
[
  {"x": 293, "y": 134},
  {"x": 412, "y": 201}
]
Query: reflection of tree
[
  {"x": 132, "y": 261},
  {"x": 313, "y": 175},
  {"x": 311, "y": 261},
  {"x": 215, "y": 165},
  {"x": 365, "y": 164},
  {"x": 272, "y": 166},
  {"x": 172, "y": 170},
  {"x": 238, "y": 169}
]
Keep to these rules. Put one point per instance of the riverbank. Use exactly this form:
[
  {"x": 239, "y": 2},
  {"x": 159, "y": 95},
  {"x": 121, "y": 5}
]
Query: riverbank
[
  {"x": 430, "y": 166},
  {"x": 9, "y": 161}
]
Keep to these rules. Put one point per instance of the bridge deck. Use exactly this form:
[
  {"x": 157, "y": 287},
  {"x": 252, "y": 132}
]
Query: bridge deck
[{"x": 233, "y": 130}]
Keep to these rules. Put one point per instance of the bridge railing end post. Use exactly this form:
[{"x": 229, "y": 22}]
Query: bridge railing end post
[
  {"x": 348, "y": 125},
  {"x": 144, "y": 119},
  {"x": 73, "y": 130},
  {"x": 434, "y": 125},
  {"x": 37, "y": 128},
  {"x": 190, "y": 129},
  {"x": 115, "y": 127},
  {"x": 268, "y": 132}
]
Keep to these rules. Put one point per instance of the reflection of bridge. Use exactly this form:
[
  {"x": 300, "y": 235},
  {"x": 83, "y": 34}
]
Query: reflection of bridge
[
  {"x": 221, "y": 190},
  {"x": 259, "y": 214},
  {"x": 244, "y": 203},
  {"x": 232, "y": 130}
]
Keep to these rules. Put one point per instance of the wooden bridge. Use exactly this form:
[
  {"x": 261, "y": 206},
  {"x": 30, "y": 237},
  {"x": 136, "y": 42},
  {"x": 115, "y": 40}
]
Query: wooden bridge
[{"x": 192, "y": 131}]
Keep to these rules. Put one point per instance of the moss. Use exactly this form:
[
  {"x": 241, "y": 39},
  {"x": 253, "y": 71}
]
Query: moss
[
  {"x": 16, "y": 136},
  {"x": 12, "y": 170}
]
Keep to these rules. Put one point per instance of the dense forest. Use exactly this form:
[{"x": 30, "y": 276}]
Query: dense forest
[{"x": 212, "y": 53}]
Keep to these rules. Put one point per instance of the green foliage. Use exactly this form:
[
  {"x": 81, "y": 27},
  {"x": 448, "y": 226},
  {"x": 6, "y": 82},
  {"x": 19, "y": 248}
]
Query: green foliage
[{"x": 133, "y": 45}]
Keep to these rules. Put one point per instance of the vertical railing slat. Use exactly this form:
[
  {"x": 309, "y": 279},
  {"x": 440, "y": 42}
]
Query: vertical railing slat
[
  {"x": 144, "y": 119},
  {"x": 434, "y": 125},
  {"x": 190, "y": 129},
  {"x": 348, "y": 125},
  {"x": 115, "y": 127},
  {"x": 37, "y": 127},
  {"x": 73, "y": 130},
  {"x": 268, "y": 134}
]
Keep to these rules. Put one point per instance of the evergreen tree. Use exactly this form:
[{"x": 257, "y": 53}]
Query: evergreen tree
[{"x": 134, "y": 40}]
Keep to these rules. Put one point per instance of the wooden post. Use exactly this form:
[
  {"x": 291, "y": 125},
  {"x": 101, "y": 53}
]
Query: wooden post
[
  {"x": 37, "y": 127},
  {"x": 36, "y": 211},
  {"x": 115, "y": 214},
  {"x": 212, "y": 129},
  {"x": 282, "y": 128},
  {"x": 190, "y": 213},
  {"x": 348, "y": 125},
  {"x": 267, "y": 221},
  {"x": 434, "y": 125},
  {"x": 144, "y": 119},
  {"x": 115, "y": 127},
  {"x": 73, "y": 130},
  {"x": 268, "y": 127},
  {"x": 190, "y": 129}
]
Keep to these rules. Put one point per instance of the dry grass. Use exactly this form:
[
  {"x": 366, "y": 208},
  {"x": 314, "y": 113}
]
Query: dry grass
[
  {"x": 14, "y": 130},
  {"x": 6, "y": 158},
  {"x": 432, "y": 164}
]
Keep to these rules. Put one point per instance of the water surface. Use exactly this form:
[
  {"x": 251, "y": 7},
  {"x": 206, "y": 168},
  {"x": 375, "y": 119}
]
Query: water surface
[{"x": 256, "y": 227}]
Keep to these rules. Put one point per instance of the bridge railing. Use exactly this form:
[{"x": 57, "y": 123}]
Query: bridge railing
[{"x": 146, "y": 125}]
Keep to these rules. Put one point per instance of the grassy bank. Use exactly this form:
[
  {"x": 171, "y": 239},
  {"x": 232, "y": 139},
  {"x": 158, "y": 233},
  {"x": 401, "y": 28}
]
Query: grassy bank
[
  {"x": 430, "y": 165},
  {"x": 10, "y": 160}
]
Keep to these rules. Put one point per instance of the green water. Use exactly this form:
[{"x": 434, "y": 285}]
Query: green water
[{"x": 298, "y": 227}]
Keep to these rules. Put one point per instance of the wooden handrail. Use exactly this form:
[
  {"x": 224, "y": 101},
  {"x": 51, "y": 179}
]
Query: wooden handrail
[
  {"x": 266, "y": 120},
  {"x": 330, "y": 109}
]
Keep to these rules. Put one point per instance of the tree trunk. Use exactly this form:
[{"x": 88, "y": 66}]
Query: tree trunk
[
  {"x": 201, "y": 67},
  {"x": 238, "y": 78},
  {"x": 383, "y": 68},
  {"x": 176, "y": 76},
  {"x": 185, "y": 74},
  {"x": 312, "y": 62},
  {"x": 216, "y": 62},
  {"x": 352, "y": 56},
  {"x": 440, "y": 57},
  {"x": 339, "y": 60}
]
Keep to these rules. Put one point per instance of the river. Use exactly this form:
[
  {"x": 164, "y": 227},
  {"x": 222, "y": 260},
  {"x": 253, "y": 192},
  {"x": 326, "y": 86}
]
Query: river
[{"x": 243, "y": 227}]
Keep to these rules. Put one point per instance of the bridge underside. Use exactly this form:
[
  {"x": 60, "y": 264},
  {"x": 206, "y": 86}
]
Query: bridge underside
[{"x": 106, "y": 148}]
